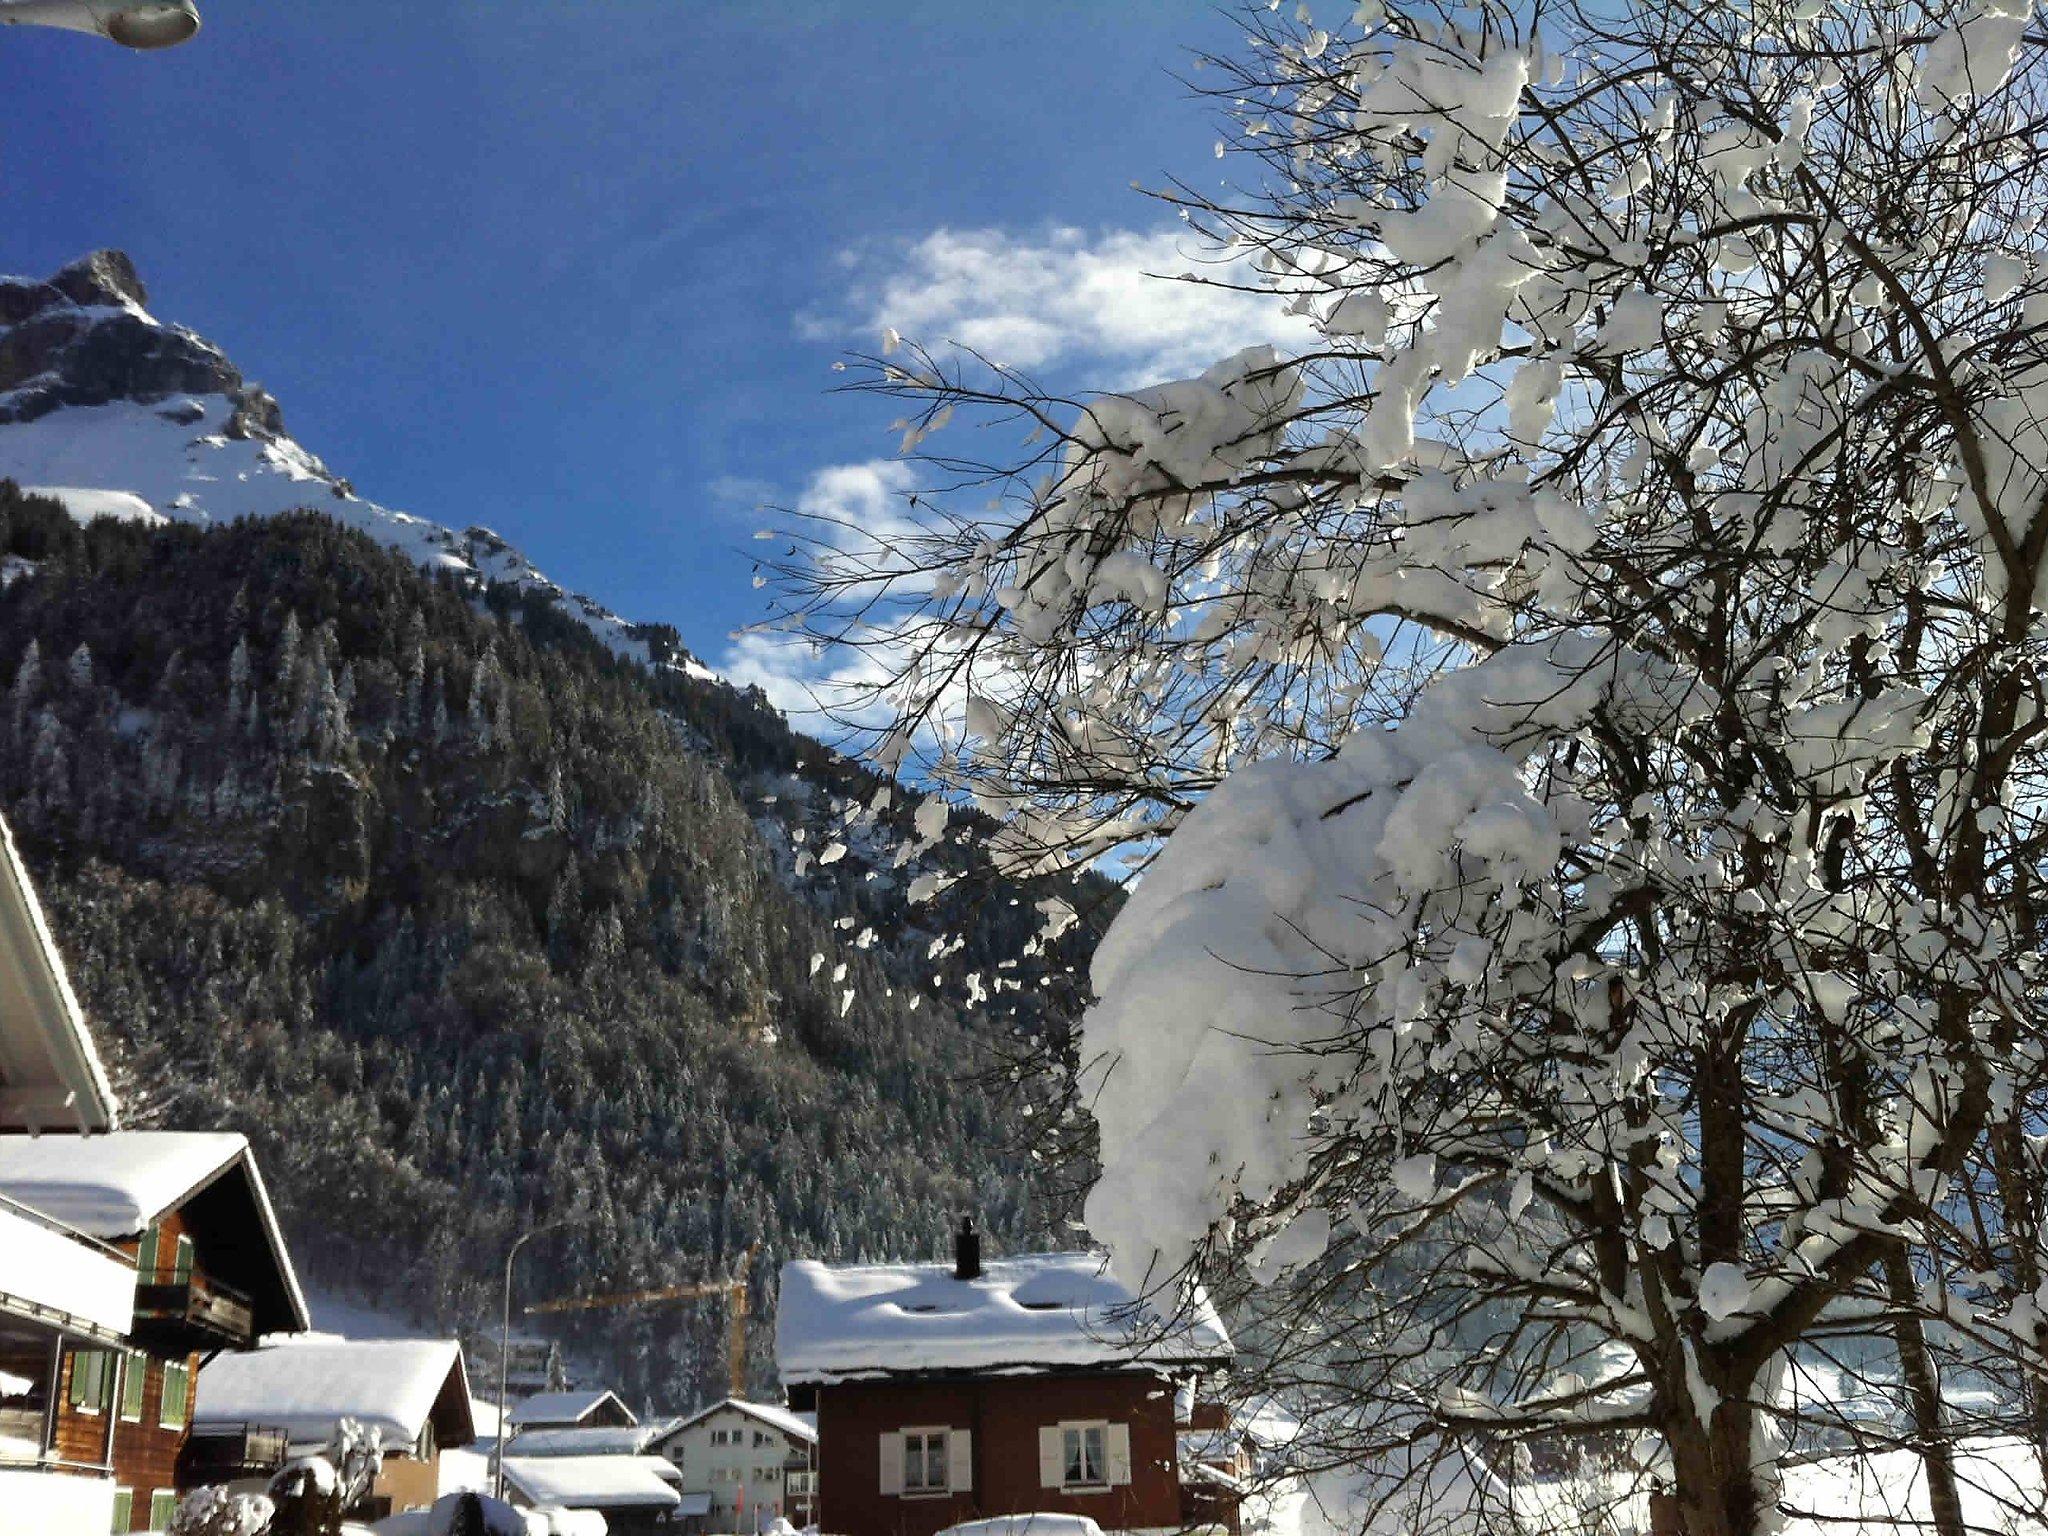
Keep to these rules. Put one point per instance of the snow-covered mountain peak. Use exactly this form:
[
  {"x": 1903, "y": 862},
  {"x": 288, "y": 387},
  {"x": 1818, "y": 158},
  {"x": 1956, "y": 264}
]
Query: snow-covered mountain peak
[{"x": 116, "y": 413}]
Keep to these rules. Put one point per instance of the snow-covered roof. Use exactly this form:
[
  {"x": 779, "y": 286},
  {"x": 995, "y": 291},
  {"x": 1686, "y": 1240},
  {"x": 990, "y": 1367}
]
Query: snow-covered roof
[
  {"x": 54, "y": 1272},
  {"x": 1036, "y": 1312},
  {"x": 50, "y": 1073},
  {"x": 304, "y": 1388},
  {"x": 591, "y": 1440},
  {"x": 594, "y": 1482},
  {"x": 798, "y": 1426},
  {"x": 114, "y": 1186},
  {"x": 563, "y": 1408}
]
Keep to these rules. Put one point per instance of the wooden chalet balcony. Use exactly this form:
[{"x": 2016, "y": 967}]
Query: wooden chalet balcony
[
  {"x": 226, "y": 1453},
  {"x": 178, "y": 1311}
]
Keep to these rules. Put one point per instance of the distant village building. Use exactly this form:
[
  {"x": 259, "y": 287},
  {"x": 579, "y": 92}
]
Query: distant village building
[
  {"x": 1036, "y": 1384},
  {"x": 595, "y": 1408},
  {"x": 414, "y": 1392},
  {"x": 744, "y": 1465},
  {"x": 533, "y": 1365},
  {"x": 637, "y": 1495}
]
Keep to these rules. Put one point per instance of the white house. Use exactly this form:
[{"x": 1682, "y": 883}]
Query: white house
[{"x": 754, "y": 1461}]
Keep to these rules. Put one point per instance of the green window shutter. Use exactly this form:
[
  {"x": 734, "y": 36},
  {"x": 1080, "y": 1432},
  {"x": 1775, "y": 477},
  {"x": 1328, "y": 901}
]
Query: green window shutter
[
  {"x": 145, "y": 1256},
  {"x": 124, "y": 1510},
  {"x": 163, "y": 1509},
  {"x": 177, "y": 1395},
  {"x": 132, "y": 1385},
  {"x": 91, "y": 1378},
  {"x": 184, "y": 1269}
]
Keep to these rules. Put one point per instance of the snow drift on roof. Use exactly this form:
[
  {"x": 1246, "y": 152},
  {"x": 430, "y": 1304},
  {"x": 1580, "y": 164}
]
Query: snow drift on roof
[
  {"x": 593, "y": 1482},
  {"x": 305, "y": 1388},
  {"x": 117, "y": 1184},
  {"x": 561, "y": 1407},
  {"x": 1049, "y": 1311},
  {"x": 595, "y": 1440}
]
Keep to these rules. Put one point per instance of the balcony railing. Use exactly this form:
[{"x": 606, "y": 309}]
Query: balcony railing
[
  {"x": 225, "y": 1453},
  {"x": 180, "y": 1308}
]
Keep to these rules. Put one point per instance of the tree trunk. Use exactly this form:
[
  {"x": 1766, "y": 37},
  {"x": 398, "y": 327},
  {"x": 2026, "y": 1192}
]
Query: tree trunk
[
  {"x": 1711, "y": 1475},
  {"x": 1923, "y": 1396}
]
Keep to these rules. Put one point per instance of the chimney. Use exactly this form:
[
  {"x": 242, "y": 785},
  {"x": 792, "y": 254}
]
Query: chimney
[{"x": 967, "y": 1251}]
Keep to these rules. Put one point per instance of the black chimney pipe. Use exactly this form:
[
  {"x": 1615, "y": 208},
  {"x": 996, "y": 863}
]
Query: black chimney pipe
[{"x": 967, "y": 1251}]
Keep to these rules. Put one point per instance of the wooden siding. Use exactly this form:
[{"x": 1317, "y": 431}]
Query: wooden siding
[{"x": 1004, "y": 1415}]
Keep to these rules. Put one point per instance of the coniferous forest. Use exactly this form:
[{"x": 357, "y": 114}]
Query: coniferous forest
[{"x": 471, "y": 925}]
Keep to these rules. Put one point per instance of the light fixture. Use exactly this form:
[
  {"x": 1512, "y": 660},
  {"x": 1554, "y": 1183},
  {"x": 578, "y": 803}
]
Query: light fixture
[{"x": 153, "y": 24}]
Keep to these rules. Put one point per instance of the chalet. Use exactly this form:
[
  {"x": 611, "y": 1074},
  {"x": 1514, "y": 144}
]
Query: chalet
[
  {"x": 596, "y": 1408},
  {"x": 63, "y": 1295},
  {"x": 637, "y": 1495},
  {"x": 1035, "y": 1384},
  {"x": 750, "y": 1463},
  {"x": 189, "y": 1211},
  {"x": 50, "y": 1075},
  {"x": 287, "y": 1398}
]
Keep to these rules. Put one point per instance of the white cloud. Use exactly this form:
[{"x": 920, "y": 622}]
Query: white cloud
[{"x": 1108, "y": 304}]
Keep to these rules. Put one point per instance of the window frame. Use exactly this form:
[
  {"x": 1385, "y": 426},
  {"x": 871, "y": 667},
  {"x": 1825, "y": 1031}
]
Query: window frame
[
  {"x": 924, "y": 1437},
  {"x": 1080, "y": 1431}
]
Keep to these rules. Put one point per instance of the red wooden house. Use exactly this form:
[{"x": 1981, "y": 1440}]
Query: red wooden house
[{"x": 1035, "y": 1384}]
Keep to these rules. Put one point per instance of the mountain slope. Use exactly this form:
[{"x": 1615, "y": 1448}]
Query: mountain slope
[
  {"x": 469, "y": 921},
  {"x": 111, "y": 410}
]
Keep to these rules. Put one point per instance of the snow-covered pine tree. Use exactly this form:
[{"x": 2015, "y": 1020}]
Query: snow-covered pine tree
[{"x": 1581, "y": 720}]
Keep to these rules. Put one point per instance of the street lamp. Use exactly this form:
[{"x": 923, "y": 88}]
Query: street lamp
[
  {"x": 505, "y": 1340},
  {"x": 150, "y": 24}
]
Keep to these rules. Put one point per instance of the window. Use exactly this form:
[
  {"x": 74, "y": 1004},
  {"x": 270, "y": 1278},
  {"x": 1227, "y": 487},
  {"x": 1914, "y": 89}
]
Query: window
[
  {"x": 177, "y": 1395},
  {"x": 92, "y": 1380},
  {"x": 163, "y": 1509},
  {"x": 124, "y": 1510},
  {"x": 924, "y": 1461},
  {"x": 132, "y": 1383},
  {"x": 1084, "y": 1456},
  {"x": 760, "y": 1439}
]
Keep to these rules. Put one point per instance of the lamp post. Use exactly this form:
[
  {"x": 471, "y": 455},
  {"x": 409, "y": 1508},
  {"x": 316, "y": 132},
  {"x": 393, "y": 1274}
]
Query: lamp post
[
  {"x": 131, "y": 23},
  {"x": 505, "y": 1341}
]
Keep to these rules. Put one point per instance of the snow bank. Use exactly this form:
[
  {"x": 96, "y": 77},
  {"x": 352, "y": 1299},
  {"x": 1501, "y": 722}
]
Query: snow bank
[
  {"x": 1028, "y": 1313},
  {"x": 1026, "y": 1525}
]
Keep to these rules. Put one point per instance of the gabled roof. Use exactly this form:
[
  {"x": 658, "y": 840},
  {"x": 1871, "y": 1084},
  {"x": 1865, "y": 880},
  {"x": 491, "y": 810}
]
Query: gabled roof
[
  {"x": 304, "y": 1387},
  {"x": 795, "y": 1425},
  {"x": 50, "y": 1074},
  {"x": 594, "y": 1482},
  {"x": 1031, "y": 1314},
  {"x": 592, "y": 1440},
  {"x": 564, "y": 1408},
  {"x": 114, "y": 1186}
]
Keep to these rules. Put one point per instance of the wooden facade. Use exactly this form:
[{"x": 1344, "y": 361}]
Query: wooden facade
[
  {"x": 130, "y": 1409},
  {"x": 1004, "y": 1452}
]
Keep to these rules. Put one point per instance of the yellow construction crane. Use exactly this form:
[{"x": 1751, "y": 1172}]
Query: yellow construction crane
[{"x": 735, "y": 1316}]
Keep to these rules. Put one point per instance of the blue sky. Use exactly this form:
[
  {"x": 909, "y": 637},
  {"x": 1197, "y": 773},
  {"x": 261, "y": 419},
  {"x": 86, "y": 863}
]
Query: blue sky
[{"x": 577, "y": 269}]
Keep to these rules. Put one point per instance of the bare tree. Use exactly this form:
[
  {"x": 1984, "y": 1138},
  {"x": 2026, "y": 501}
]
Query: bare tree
[{"x": 1581, "y": 726}]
